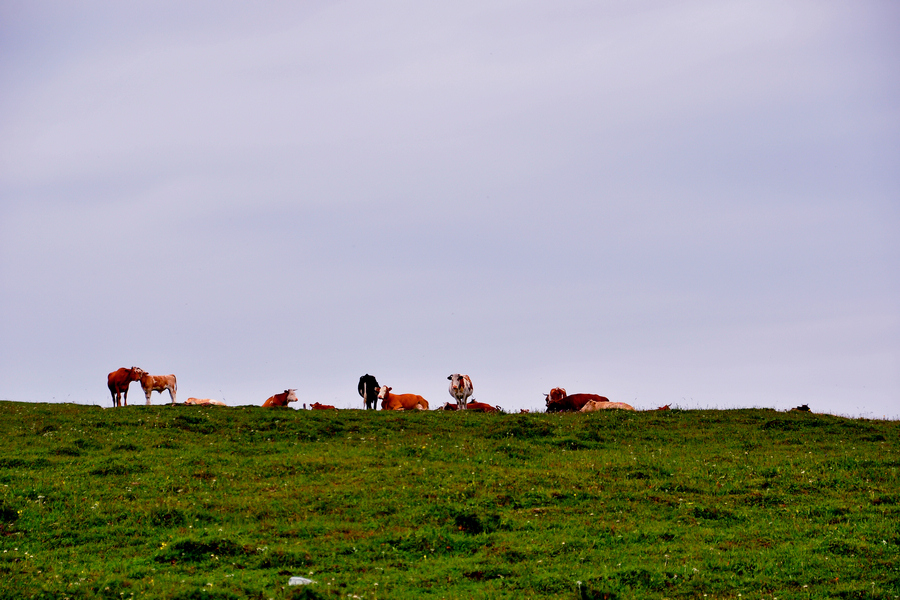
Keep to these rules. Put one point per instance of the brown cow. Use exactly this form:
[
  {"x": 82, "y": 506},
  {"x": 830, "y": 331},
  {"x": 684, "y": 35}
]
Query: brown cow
[
  {"x": 282, "y": 399},
  {"x": 391, "y": 401},
  {"x": 559, "y": 401},
  {"x": 481, "y": 407},
  {"x": 317, "y": 406},
  {"x": 158, "y": 383},
  {"x": 666, "y": 407},
  {"x": 592, "y": 405},
  {"x": 203, "y": 402},
  {"x": 118, "y": 382},
  {"x": 448, "y": 406}
]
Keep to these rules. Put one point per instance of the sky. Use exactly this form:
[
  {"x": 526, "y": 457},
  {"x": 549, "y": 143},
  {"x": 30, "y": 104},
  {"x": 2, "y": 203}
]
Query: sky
[{"x": 690, "y": 203}]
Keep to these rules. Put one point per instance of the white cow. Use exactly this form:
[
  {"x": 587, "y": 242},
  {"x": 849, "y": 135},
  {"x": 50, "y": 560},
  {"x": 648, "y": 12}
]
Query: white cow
[
  {"x": 593, "y": 405},
  {"x": 460, "y": 388},
  {"x": 203, "y": 402}
]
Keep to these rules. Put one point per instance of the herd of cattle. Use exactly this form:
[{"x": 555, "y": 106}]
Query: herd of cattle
[{"x": 460, "y": 389}]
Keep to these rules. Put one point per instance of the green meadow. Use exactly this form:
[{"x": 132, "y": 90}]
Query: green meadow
[{"x": 219, "y": 503}]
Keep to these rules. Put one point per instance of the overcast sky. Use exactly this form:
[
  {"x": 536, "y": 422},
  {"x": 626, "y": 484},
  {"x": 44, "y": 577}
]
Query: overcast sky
[{"x": 686, "y": 203}]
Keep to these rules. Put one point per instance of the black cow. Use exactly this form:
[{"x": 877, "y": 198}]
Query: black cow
[{"x": 368, "y": 389}]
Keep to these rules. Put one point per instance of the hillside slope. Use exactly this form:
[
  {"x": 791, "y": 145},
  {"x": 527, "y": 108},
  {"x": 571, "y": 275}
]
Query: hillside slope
[{"x": 186, "y": 502}]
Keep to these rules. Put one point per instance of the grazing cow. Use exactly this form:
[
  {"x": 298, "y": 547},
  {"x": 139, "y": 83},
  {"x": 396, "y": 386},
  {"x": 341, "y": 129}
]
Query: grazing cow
[
  {"x": 158, "y": 383},
  {"x": 460, "y": 388},
  {"x": 391, "y": 401},
  {"x": 281, "y": 399},
  {"x": 317, "y": 406},
  {"x": 592, "y": 405},
  {"x": 368, "y": 389},
  {"x": 481, "y": 407},
  {"x": 559, "y": 401},
  {"x": 801, "y": 408},
  {"x": 448, "y": 406},
  {"x": 118, "y": 382},
  {"x": 203, "y": 402}
]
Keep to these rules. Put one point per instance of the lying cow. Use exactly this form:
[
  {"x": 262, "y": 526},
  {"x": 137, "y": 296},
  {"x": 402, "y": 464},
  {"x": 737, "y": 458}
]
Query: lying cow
[
  {"x": 118, "y": 382},
  {"x": 158, "y": 383},
  {"x": 481, "y": 407},
  {"x": 203, "y": 402},
  {"x": 449, "y": 406},
  {"x": 368, "y": 389},
  {"x": 317, "y": 406},
  {"x": 391, "y": 401},
  {"x": 559, "y": 401},
  {"x": 282, "y": 399},
  {"x": 460, "y": 388},
  {"x": 593, "y": 405}
]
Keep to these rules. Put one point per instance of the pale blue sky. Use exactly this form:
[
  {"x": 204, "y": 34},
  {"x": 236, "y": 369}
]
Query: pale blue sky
[{"x": 688, "y": 203}]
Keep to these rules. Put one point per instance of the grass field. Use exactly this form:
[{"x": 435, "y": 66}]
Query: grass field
[{"x": 216, "y": 503}]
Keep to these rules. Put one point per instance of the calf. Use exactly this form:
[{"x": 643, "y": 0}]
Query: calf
[
  {"x": 391, "y": 401},
  {"x": 282, "y": 399},
  {"x": 317, "y": 406},
  {"x": 482, "y": 407},
  {"x": 158, "y": 383}
]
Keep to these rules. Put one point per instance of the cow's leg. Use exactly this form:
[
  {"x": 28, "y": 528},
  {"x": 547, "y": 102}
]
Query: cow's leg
[
  {"x": 125, "y": 397},
  {"x": 172, "y": 394},
  {"x": 148, "y": 393}
]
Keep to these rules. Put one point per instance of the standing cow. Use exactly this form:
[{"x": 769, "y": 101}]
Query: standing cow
[
  {"x": 460, "y": 388},
  {"x": 282, "y": 399},
  {"x": 158, "y": 383},
  {"x": 368, "y": 389},
  {"x": 118, "y": 382}
]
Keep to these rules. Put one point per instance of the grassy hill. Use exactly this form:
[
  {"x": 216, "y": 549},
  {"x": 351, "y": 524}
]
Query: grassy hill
[{"x": 214, "y": 503}]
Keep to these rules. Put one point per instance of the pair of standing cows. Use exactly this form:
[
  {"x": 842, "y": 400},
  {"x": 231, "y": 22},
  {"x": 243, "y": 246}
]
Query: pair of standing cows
[
  {"x": 460, "y": 388},
  {"x": 119, "y": 380}
]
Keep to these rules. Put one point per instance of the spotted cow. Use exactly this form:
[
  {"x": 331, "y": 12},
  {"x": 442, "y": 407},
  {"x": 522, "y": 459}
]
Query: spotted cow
[
  {"x": 282, "y": 399},
  {"x": 158, "y": 383},
  {"x": 460, "y": 388}
]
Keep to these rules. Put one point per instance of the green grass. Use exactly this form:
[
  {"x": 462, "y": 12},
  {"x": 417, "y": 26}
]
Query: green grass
[{"x": 218, "y": 503}]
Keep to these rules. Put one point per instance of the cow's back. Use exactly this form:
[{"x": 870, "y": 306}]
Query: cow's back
[{"x": 579, "y": 400}]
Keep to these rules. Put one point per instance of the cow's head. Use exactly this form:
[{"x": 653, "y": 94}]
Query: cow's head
[
  {"x": 383, "y": 391},
  {"x": 290, "y": 396},
  {"x": 555, "y": 395},
  {"x": 137, "y": 373}
]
